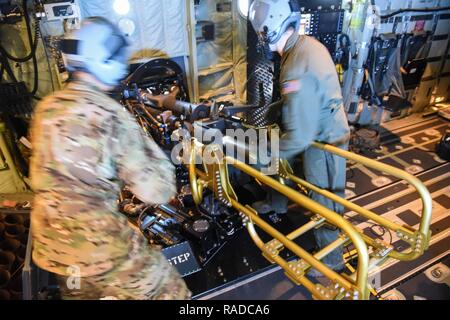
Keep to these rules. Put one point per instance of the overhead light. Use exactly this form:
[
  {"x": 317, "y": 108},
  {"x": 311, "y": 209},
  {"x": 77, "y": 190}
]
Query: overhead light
[
  {"x": 243, "y": 6},
  {"x": 121, "y": 7}
]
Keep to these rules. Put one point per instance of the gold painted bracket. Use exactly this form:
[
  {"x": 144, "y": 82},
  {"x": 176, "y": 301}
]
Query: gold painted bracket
[{"x": 215, "y": 177}]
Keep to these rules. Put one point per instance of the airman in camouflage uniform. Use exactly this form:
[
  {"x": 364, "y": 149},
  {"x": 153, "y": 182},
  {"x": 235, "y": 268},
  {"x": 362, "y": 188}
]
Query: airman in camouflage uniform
[{"x": 85, "y": 147}]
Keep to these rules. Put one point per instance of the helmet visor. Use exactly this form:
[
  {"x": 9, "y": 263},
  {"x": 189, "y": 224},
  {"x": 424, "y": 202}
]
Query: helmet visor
[{"x": 258, "y": 13}]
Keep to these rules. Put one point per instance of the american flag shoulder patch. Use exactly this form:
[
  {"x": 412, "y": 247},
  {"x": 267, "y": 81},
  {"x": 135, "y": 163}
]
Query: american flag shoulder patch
[{"x": 291, "y": 86}]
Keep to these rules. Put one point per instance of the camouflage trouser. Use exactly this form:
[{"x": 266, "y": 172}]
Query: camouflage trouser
[
  {"x": 327, "y": 171},
  {"x": 145, "y": 276}
]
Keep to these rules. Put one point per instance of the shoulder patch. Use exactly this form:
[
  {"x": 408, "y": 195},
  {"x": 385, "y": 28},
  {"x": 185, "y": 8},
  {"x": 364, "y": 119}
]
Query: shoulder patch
[{"x": 291, "y": 86}]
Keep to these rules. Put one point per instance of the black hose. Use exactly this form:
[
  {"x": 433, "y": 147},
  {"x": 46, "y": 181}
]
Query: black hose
[
  {"x": 33, "y": 44},
  {"x": 413, "y": 10},
  {"x": 32, "y": 55},
  {"x": 10, "y": 73},
  {"x": 2, "y": 70},
  {"x": 36, "y": 70},
  {"x": 8, "y": 69},
  {"x": 34, "y": 47},
  {"x": 49, "y": 67}
]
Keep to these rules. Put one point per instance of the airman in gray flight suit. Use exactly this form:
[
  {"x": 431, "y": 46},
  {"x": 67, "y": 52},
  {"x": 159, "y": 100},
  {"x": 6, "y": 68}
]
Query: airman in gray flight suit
[{"x": 312, "y": 111}]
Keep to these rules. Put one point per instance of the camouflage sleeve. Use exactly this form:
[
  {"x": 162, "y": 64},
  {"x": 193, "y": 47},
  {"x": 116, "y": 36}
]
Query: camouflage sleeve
[
  {"x": 142, "y": 165},
  {"x": 70, "y": 144}
]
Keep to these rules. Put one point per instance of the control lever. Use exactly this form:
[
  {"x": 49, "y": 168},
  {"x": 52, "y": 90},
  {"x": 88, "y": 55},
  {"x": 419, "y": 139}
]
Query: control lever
[{"x": 230, "y": 111}]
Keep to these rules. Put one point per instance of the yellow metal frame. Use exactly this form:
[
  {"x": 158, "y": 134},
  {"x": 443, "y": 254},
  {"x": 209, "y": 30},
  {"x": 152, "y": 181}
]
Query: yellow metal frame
[
  {"x": 215, "y": 177},
  {"x": 417, "y": 238}
]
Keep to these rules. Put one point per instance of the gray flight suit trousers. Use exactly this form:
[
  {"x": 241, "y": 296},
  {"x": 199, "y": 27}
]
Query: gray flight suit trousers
[{"x": 327, "y": 171}]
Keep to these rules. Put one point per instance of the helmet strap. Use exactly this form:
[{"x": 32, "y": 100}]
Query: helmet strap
[{"x": 295, "y": 6}]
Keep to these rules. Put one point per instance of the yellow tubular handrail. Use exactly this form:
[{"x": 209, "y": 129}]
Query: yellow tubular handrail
[
  {"x": 305, "y": 228},
  {"x": 423, "y": 235},
  {"x": 360, "y": 210},
  {"x": 283, "y": 263},
  {"x": 350, "y": 205},
  {"x": 196, "y": 186},
  {"x": 332, "y": 217},
  {"x": 298, "y": 251}
]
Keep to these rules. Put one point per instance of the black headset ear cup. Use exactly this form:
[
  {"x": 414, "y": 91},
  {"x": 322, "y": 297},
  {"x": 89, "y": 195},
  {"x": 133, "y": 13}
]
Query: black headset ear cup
[{"x": 69, "y": 46}]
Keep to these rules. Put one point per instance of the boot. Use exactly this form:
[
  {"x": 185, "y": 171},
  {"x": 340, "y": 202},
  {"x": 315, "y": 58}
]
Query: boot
[{"x": 264, "y": 207}]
